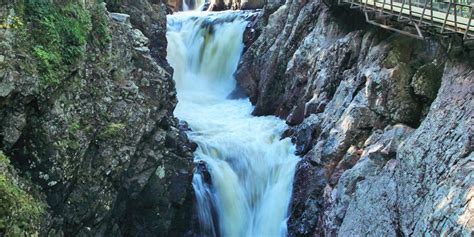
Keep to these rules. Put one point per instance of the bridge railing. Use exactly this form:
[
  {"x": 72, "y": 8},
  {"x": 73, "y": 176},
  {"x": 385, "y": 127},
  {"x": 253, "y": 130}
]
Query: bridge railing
[{"x": 441, "y": 16}]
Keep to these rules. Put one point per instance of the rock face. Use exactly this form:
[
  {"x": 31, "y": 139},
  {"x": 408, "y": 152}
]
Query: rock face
[
  {"x": 383, "y": 122},
  {"x": 100, "y": 140}
]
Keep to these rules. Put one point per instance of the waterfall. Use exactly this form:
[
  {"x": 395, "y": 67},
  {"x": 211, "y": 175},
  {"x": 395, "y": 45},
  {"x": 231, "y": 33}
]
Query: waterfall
[
  {"x": 244, "y": 171},
  {"x": 189, "y": 5}
]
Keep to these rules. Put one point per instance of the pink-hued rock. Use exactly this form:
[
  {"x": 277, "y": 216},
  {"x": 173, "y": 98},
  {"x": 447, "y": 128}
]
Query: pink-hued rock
[{"x": 379, "y": 156}]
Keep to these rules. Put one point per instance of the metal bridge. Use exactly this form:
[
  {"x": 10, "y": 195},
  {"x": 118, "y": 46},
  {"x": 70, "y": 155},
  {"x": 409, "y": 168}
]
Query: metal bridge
[{"x": 422, "y": 16}]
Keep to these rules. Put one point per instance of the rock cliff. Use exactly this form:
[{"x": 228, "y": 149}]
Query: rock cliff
[
  {"x": 86, "y": 101},
  {"x": 383, "y": 122}
]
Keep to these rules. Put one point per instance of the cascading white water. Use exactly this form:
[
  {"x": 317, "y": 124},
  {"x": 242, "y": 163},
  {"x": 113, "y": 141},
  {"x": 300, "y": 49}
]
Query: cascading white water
[
  {"x": 251, "y": 169},
  {"x": 189, "y": 5}
]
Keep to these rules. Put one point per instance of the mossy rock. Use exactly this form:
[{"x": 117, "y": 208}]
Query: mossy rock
[
  {"x": 56, "y": 35},
  {"x": 20, "y": 212},
  {"x": 400, "y": 51},
  {"x": 427, "y": 80}
]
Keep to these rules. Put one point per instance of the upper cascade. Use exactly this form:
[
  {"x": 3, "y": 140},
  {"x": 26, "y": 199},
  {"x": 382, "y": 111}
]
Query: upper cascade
[{"x": 192, "y": 5}]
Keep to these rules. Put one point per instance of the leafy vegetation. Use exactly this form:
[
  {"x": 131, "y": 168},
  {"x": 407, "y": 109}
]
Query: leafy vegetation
[
  {"x": 112, "y": 130},
  {"x": 11, "y": 22},
  {"x": 20, "y": 213},
  {"x": 57, "y": 35}
]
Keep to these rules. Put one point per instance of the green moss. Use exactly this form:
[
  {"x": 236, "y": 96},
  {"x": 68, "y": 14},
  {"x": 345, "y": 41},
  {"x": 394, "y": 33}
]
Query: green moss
[
  {"x": 112, "y": 130},
  {"x": 20, "y": 213},
  {"x": 57, "y": 35}
]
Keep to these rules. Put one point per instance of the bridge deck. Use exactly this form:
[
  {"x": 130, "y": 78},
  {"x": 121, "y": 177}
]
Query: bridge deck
[{"x": 446, "y": 17}]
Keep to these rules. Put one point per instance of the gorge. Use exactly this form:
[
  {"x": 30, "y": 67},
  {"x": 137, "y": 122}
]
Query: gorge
[{"x": 299, "y": 119}]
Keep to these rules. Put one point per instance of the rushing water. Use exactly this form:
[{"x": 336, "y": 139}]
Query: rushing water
[
  {"x": 189, "y": 5},
  {"x": 251, "y": 169}
]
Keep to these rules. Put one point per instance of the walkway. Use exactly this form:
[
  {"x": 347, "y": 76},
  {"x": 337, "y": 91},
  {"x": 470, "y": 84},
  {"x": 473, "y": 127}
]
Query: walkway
[{"x": 424, "y": 16}]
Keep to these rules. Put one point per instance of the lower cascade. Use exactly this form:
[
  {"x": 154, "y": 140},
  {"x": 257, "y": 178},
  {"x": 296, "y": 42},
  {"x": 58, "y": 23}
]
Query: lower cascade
[{"x": 244, "y": 175}]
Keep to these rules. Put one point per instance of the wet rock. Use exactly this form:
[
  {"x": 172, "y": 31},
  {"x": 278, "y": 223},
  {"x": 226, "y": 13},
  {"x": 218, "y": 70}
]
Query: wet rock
[
  {"x": 201, "y": 168},
  {"x": 309, "y": 181},
  {"x": 304, "y": 133}
]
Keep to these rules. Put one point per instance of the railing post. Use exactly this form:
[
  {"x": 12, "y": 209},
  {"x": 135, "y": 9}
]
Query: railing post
[
  {"x": 431, "y": 7},
  {"x": 455, "y": 15},
  {"x": 423, "y": 12},
  {"x": 446, "y": 18},
  {"x": 466, "y": 34},
  {"x": 401, "y": 10},
  {"x": 409, "y": 9}
]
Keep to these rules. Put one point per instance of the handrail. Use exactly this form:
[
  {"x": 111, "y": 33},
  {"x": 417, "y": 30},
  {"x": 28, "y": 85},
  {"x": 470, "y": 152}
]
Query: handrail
[{"x": 456, "y": 18}]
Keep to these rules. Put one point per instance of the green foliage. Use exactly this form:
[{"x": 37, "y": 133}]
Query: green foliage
[
  {"x": 11, "y": 22},
  {"x": 100, "y": 32},
  {"x": 20, "y": 213},
  {"x": 49, "y": 64},
  {"x": 74, "y": 126},
  {"x": 112, "y": 130},
  {"x": 57, "y": 37}
]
